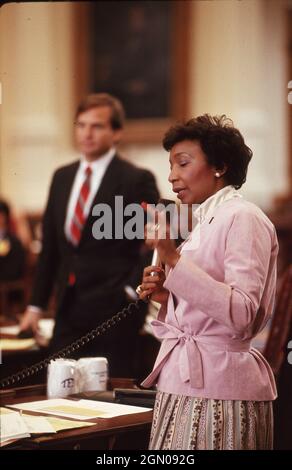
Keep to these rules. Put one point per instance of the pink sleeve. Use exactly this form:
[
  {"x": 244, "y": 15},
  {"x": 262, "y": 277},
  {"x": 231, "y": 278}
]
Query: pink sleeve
[{"x": 249, "y": 264}]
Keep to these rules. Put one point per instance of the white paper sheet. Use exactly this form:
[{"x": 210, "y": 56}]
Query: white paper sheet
[
  {"x": 12, "y": 427},
  {"x": 10, "y": 330},
  {"x": 79, "y": 409},
  {"x": 17, "y": 344},
  {"x": 15, "y": 426}
]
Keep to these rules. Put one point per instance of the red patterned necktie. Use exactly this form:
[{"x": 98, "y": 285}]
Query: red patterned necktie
[{"x": 79, "y": 217}]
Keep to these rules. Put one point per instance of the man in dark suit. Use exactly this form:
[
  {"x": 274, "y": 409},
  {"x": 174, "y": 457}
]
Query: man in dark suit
[{"x": 92, "y": 275}]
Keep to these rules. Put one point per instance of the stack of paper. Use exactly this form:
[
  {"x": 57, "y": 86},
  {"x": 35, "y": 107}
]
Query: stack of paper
[
  {"x": 12, "y": 427},
  {"x": 79, "y": 409},
  {"x": 15, "y": 426}
]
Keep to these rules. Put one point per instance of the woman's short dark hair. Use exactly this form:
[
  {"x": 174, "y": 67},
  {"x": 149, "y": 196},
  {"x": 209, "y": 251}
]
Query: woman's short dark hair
[
  {"x": 221, "y": 142},
  {"x": 104, "y": 99}
]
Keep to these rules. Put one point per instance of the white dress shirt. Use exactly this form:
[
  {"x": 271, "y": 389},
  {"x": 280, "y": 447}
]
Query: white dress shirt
[
  {"x": 98, "y": 168},
  {"x": 205, "y": 210}
]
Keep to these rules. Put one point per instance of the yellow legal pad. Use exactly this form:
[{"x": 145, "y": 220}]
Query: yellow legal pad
[
  {"x": 58, "y": 424},
  {"x": 62, "y": 424},
  {"x": 74, "y": 411}
]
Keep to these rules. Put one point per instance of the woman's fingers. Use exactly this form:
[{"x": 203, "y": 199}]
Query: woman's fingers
[
  {"x": 145, "y": 293},
  {"x": 152, "y": 277},
  {"x": 155, "y": 278},
  {"x": 150, "y": 269},
  {"x": 149, "y": 288},
  {"x": 149, "y": 285}
]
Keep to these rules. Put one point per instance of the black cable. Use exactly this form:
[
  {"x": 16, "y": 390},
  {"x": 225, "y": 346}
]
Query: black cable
[{"x": 77, "y": 344}]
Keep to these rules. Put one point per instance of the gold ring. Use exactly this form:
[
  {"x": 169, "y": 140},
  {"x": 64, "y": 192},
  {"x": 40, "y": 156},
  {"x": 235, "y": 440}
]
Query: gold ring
[{"x": 139, "y": 289}]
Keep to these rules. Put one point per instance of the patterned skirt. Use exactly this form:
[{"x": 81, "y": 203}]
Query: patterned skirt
[{"x": 188, "y": 423}]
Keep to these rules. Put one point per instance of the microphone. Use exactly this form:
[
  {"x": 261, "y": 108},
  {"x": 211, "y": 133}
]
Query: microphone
[
  {"x": 155, "y": 261},
  {"x": 166, "y": 203},
  {"x": 155, "y": 258}
]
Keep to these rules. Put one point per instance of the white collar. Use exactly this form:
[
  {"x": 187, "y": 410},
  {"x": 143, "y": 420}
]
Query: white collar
[
  {"x": 102, "y": 161},
  {"x": 208, "y": 206}
]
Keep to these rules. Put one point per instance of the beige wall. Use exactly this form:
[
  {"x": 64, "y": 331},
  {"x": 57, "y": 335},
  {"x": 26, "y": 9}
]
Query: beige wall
[
  {"x": 238, "y": 69},
  {"x": 36, "y": 60},
  {"x": 237, "y": 57}
]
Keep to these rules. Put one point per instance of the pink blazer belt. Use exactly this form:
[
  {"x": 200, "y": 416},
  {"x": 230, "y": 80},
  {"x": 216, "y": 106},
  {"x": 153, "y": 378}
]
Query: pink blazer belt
[{"x": 190, "y": 360}]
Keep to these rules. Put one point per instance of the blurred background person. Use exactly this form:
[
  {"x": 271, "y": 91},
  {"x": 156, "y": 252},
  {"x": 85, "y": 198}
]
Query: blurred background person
[
  {"x": 12, "y": 253},
  {"x": 92, "y": 275},
  {"x": 12, "y": 265}
]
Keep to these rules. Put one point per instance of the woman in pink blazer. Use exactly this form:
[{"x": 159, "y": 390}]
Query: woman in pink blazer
[{"x": 216, "y": 293}]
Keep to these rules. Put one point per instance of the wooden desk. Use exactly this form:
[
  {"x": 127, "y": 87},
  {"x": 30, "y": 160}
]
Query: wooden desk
[
  {"x": 15, "y": 360},
  {"x": 120, "y": 433}
]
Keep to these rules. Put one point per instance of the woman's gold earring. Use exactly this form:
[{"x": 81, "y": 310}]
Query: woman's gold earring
[{"x": 217, "y": 174}]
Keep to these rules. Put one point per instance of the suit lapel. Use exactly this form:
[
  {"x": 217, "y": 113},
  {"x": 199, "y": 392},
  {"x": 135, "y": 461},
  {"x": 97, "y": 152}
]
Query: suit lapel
[
  {"x": 109, "y": 187},
  {"x": 64, "y": 193},
  {"x": 109, "y": 184}
]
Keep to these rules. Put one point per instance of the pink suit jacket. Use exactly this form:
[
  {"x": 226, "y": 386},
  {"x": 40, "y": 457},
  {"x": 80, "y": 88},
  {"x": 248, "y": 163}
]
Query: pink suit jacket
[{"x": 221, "y": 294}]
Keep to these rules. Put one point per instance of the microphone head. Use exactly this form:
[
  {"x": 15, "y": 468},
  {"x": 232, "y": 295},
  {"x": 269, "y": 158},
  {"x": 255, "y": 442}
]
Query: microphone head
[
  {"x": 165, "y": 203},
  {"x": 169, "y": 206},
  {"x": 155, "y": 258}
]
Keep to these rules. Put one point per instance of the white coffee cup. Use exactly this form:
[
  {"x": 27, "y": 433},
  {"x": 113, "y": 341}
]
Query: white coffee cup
[
  {"x": 61, "y": 378},
  {"x": 92, "y": 374}
]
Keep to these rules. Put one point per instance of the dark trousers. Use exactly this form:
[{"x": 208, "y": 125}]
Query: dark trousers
[{"x": 119, "y": 344}]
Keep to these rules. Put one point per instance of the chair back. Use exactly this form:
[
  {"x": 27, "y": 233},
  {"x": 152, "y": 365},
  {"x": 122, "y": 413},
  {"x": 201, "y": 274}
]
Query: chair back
[{"x": 276, "y": 347}]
